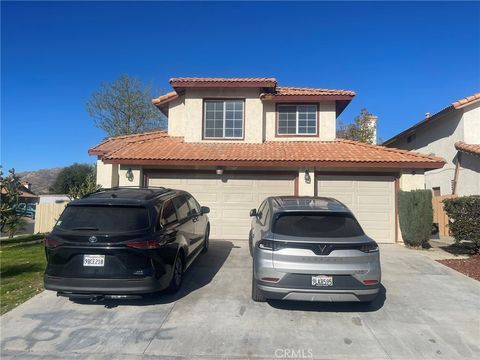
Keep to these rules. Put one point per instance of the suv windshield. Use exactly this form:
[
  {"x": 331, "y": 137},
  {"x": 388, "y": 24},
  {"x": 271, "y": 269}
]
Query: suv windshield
[
  {"x": 104, "y": 218},
  {"x": 317, "y": 225}
]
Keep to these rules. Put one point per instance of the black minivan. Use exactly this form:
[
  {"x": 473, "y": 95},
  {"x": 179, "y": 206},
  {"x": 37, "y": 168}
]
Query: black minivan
[{"x": 123, "y": 242}]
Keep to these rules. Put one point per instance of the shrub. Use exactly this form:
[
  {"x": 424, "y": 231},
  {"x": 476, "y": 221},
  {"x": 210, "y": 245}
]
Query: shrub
[
  {"x": 416, "y": 217},
  {"x": 464, "y": 218}
]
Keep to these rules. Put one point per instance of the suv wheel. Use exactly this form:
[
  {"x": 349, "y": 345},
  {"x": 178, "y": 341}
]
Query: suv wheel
[
  {"x": 177, "y": 276},
  {"x": 206, "y": 241},
  {"x": 256, "y": 294}
]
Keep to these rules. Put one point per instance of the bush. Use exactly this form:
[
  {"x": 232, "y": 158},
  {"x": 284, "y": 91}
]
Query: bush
[
  {"x": 416, "y": 217},
  {"x": 464, "y": 218}
]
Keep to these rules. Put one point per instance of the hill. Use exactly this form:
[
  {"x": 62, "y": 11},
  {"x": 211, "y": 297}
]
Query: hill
[{"x": 40, "y": 180}]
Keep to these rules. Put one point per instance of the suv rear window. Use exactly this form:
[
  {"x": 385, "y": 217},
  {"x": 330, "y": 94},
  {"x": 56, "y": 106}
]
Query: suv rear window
[
  {"x": 104, "y": 218},
  {"x": 322, "y": 225}
]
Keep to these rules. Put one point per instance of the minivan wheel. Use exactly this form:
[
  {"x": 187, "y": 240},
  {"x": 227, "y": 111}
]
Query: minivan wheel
[
  {"x": 257, "y": 296},
  {"x": 177, "y": 277},
  {"x": 206, "y": 241}
]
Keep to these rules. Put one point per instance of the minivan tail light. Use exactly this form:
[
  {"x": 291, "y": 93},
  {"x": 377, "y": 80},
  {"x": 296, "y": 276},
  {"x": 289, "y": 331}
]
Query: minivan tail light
[
  {"x": 145, "y": 244},
  {"x": 52, "y": 243}
]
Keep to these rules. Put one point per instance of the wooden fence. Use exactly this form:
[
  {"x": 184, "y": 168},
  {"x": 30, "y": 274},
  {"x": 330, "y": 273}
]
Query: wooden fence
[
  {"x": 439, "y": 215},
  {"x": 46, "y": 215}
]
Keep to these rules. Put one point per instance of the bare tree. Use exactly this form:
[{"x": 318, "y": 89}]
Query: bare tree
[{"x": 124, "y": 107}]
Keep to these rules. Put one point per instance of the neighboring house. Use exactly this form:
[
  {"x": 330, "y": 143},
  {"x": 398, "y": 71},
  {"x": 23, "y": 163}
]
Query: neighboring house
[
  {"x": 25, "y": 194},
  {"x": 233, "y": 142},
  {"x": 453, "y": 134}
]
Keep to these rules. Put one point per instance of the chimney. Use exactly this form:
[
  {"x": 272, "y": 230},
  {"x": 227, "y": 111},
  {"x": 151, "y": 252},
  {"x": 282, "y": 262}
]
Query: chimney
[
  {"x": 427, "y": 115},
  {"x": 26, "y": 184},
  {"x": 372, "y": 121}
]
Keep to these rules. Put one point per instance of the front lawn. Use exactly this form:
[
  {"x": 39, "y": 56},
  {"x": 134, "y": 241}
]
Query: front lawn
[{"x": 21, "y": 272}]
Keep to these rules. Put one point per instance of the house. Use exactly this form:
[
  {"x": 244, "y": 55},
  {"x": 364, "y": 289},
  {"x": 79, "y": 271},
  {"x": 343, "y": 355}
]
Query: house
[
  {"x": 233, "y": 142},
  {"x": 453, "y": 134},
  {"x": 25, "y": 195}
]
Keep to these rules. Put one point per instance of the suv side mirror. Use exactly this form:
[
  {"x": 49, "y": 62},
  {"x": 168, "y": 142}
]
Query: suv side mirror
[
  {"x": 204, "y": 210},
  {"x": 253, "y": 212}
]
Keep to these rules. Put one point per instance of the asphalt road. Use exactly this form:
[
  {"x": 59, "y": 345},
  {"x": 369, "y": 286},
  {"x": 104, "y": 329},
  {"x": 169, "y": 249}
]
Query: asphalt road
[{"x": 426, "y": 311}]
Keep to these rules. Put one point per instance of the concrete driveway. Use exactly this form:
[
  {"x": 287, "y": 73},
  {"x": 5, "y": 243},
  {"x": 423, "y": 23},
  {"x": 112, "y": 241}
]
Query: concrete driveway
[{"x": 426, "y": 311}]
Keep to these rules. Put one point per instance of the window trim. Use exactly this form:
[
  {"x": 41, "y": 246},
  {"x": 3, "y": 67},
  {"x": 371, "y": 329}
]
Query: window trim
[
  {"x": 204, "y": 119},
  {"x": 277, "y": 115}
]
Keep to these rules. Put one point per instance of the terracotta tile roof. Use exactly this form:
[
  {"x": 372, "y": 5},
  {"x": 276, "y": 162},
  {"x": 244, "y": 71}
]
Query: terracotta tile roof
[
  {"x": 228, "y": 82},
  {"x": 163, "y": 99},
  {"x": 473, "y": 149},
  {"x": 292, "y": 91},
  {"x": 160, "y": 149},
  {"x": 114, "y": 143},
  {"x": 466, "y": 101}
]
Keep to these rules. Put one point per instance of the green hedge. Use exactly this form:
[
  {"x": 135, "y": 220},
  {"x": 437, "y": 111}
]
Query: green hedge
[
  {"x": 415, "y": 214},
  {"x": 464, "y": 218}
]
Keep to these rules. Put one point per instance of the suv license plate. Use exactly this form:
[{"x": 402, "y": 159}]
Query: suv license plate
[
  {"x": 93, "y": 260},
  {"x": 322, "y": 280}
]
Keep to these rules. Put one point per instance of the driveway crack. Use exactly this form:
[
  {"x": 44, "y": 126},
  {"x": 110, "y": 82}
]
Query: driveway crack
[{"x": 160, "y": 328}]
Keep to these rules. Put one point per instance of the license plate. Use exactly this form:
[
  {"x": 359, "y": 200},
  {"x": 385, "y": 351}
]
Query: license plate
[
  {"x": 93, "y": 260},
  {"x": 322, "y": 280}
]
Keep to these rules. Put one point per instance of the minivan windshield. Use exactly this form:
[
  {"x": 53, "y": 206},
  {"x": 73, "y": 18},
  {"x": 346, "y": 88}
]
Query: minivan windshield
[
  {"x": 103, "y": 218},
  {"x": 317, "y": 225}
]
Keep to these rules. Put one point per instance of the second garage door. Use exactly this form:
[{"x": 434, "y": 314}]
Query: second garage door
[
  {"x": 371, "y": 199},
  {"x": 229, "y": 196}
]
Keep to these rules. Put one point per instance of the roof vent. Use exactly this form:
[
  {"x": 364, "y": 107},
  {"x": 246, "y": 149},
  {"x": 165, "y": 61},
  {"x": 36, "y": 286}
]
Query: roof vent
[{"x": 427, "y": 115}]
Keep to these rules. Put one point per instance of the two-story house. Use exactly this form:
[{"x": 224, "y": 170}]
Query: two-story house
[
  {"x": 453, "y": 134},
  {"x": 233, "y": 142}
]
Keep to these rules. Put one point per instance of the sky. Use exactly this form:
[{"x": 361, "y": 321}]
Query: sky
[{"x": 402, "y": 59}]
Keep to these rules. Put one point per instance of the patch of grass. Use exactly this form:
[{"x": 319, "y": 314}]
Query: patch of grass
[
  {"x": 21, "y": 239},
  {"x": 21, "y": 272}
]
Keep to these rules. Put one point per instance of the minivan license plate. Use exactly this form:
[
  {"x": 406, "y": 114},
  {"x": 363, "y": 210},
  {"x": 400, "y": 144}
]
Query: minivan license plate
[
  {"x": 322, "y": 280},
  {"x": 93, "y": 260}
]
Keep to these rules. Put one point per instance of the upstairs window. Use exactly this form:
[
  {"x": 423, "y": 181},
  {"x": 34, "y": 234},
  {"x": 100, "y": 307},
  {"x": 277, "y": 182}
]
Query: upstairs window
[
  {"x": 224, "y": 119},
  {"x": 297, "y": 120}
]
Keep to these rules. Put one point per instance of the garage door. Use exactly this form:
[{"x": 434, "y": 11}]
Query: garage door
[
  {"x": 371, "y": 199},
  {"x": 229, "y": 196}
]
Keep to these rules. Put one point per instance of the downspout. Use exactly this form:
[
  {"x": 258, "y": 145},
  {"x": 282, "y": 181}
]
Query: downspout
[{"x": 457, "y": 172}]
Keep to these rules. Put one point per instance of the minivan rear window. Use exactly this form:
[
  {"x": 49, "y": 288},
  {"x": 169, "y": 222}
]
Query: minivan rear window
[
  {"x": 317, "y": 225},
  {"x": 104, "y": 218}
]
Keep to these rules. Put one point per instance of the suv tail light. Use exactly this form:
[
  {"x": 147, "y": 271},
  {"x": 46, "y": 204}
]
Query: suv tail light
[
  {"x": 52, "y": 243},
  {"x": 271, "y": 245},
  {"x": 371, "y": 247},
  {"x": 145, "y": 244}
]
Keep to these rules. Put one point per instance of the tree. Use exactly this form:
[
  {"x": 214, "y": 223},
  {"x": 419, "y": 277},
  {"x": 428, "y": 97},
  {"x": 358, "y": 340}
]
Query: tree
[
  {"x": 360, "y": 130},
  {"x": 70, "y": 177},
  {"x": 88, "y": 186},
  {"x": 124, "y": 107},
  {"x": 11, "y": 187}
]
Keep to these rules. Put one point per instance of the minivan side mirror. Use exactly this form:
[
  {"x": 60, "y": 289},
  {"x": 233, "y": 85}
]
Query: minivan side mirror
[
  {"x": 253, "y": 212},
  {"x": 204, "y": 210}
]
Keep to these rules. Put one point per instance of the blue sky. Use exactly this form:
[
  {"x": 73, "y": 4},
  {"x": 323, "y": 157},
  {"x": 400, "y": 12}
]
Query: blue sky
[{"x": 402, "y": 59}]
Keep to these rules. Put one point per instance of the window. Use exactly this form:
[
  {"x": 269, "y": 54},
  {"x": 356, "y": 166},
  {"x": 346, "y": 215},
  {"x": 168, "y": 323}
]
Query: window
[
  {"x": 104, "y": 218},
  {"x": 297, "y": 120},
  {"x": 193, "y": 205},
  {"x": 168, "y": 213},
  {"x": 317, "y": 225},
  {"x": 261, "y": 210},
  {"x": 182, "y": 207},
  {"x": 223, "y": 119}
]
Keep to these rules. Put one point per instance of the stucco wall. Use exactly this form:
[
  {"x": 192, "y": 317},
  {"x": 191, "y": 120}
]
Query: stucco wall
[
  {"x": 306, "y": 188},
  {"x": 137, "y": 179},
  {"x": 471, "y": 124},
  {"x": 107, "y": 174},
  {"x": 412, "y": 180},
  {"x": 176, "y": 117},
  {"x": 469, "y": 175}
]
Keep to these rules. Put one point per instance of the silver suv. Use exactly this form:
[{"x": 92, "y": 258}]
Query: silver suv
[{"x": 311, "y": 248}]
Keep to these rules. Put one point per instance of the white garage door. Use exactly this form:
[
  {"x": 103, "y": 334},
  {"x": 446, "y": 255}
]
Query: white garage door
[
  {"x": 371, "y": 199},
  {"x": 230, "y": 196}
]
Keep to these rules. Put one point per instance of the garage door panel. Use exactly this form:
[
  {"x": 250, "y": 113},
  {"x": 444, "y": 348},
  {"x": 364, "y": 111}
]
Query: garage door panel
[
  {"x": 229, "y": 196},
  {"x": 370, "y": 198}
]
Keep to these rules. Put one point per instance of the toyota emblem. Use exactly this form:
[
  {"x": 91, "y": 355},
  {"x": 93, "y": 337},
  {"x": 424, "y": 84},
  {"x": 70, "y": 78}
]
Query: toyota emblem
[{"x": 93, "y": 239}]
